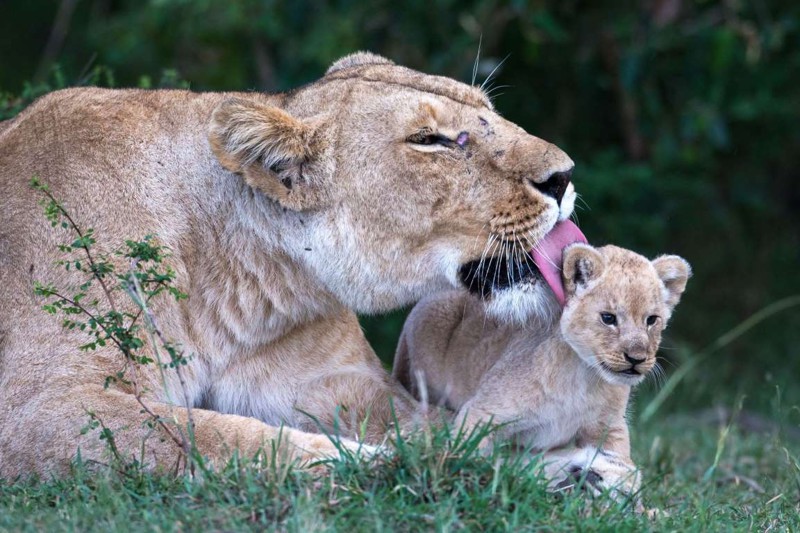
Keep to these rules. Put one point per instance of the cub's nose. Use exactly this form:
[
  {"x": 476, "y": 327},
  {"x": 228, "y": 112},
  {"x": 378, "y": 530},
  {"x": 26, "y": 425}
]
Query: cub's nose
[{"x": 555, "y": 185}]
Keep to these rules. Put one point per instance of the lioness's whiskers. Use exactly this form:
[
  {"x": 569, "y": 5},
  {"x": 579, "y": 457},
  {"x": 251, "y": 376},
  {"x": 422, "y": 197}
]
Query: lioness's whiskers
[
  {"x": 527, "y": 262},
  {"x": 486, "y": 250},
  {"x": 492, "y": 88},
  {"x": 547, "y": 257},
  {"x": 489, "y": 77},
  {"x": 483, "y": 254},
  {"x": 495, "y": 242},
  {"x": 578, "y": 197},
  {"x": 510, "y": 259},
  {"x": 477, "y": 61},
  {"x": 497, "y": 259}
]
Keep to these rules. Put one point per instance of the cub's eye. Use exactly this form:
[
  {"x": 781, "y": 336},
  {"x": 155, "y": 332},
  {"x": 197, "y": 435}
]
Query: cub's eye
[
  {"x": 608, "y": 319},
  {"x": 652, "y": 319}
]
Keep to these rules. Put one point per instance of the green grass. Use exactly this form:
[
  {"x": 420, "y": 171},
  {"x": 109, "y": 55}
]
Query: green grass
[
  {"x": 734, "y": 467},
  {"x": 700, "y": 475}
]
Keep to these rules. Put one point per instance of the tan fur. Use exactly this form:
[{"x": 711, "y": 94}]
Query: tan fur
[
  {"x": 285, "y": 214},
  {"x": 553, "y": 387}
]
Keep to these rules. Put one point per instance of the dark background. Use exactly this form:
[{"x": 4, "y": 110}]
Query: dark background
[{"x": 683, "y": 118}]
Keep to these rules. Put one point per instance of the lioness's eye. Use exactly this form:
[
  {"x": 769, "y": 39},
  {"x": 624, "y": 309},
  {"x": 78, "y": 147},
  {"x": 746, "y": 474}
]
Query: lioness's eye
[
  {"x": 652, "y": 319},
  {"x": 608, "y": 319},
  {"x": 426, "y": 138}
]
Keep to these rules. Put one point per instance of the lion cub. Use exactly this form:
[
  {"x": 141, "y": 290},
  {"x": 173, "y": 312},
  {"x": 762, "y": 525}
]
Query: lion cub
[{"x": 560, "y": 387}]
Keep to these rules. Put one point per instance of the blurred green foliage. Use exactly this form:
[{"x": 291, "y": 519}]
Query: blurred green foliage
[{"x": 683, "y": 117}]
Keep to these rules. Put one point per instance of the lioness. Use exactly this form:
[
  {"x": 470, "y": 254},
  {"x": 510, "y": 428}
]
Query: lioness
[
  {"x": 552, "y": 387},
  {"x": 285, "y": 214}
]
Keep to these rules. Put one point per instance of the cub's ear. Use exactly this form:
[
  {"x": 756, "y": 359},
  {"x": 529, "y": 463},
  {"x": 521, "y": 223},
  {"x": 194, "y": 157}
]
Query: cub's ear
[
  {"x": 276, "y": 153},
  {"x": 582, "y": 264},
  {"x": 674, "y": 272}
]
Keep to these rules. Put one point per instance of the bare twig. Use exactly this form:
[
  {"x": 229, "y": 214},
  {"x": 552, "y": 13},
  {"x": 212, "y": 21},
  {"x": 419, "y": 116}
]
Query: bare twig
[
  {"x": 733, "y": 477},
  {"x": 179, "y": 439}
]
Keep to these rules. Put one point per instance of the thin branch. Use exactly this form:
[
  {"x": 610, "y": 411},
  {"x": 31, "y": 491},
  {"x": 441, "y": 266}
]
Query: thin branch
[
  {"x": 180, "y": 440},
  {"x": 153, "y": 325},
  {"x": 84, "y": 246},
  {"x": 88, "y": 313},
  {"x": 138, "y": 393}
]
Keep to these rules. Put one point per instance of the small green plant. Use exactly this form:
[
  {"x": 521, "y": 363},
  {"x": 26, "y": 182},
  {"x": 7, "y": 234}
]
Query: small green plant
[{"x": 119, "y": 315}]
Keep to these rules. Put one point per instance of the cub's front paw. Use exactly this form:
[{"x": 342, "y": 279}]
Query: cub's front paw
[
  {"x": 595, "y": 472},
  {"x": 578, "y": 478}
]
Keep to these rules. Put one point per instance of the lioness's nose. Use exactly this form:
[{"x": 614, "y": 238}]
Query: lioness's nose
[{"x": 555, "y": 185}]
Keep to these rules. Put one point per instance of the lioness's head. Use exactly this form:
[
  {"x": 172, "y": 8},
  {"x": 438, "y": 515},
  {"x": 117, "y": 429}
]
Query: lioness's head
[
  {"x": 397, "y": 183},
  {"x": 618, "y": 303}
]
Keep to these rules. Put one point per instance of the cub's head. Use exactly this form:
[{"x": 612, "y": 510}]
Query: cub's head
[
  {"x": 395, "y": 183},
  {"x": 618, "y": 303}
]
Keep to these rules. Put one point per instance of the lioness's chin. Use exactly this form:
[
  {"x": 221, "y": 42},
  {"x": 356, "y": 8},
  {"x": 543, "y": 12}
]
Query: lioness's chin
[
  {"x": 525, "y": 302},
  {"x": 512, "y": 289}
]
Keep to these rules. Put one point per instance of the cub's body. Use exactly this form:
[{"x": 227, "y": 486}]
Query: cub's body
[{"x": 551, "y": 385}]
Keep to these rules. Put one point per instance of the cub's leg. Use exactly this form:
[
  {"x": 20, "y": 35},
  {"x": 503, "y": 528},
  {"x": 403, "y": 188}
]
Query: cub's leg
[
  {"x": 420, "y": 360},
  {"x": 479, "y": 412},
  {"x": 614, "y": 463},
  {"x": 508, "y": 394}
]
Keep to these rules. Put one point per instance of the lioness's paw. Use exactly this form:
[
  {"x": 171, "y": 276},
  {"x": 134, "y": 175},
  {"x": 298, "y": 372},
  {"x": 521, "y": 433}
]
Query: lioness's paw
[
  {"x": 365, "y": 451},
  {"x": 320, "y": 447}
]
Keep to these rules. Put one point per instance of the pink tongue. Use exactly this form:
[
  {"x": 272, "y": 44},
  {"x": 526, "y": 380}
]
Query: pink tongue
[{"x": 548, "y": 254}]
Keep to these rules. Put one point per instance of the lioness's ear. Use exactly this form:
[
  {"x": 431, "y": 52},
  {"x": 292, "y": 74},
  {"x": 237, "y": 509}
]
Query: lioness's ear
[
  {"x": 582, "y": 264},
  {"x": 674, "y": 272},
  {"x": 275, "y": 152}
]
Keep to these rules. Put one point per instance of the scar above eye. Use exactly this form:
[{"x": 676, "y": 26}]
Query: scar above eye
[{"x": 462, "y": 139}]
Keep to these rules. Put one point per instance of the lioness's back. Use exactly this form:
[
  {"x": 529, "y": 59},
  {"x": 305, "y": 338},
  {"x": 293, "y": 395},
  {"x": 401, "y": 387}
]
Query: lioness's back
[{"x": 119, "y": 161}]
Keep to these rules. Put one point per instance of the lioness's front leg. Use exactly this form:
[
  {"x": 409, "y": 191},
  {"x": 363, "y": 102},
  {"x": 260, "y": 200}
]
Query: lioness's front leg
[
  {"x": 356, "y": 404},
  {"x": 352, "y": 395},
  {"x": 322, "y": 378},
  {"x": 57, "y": 431}
]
